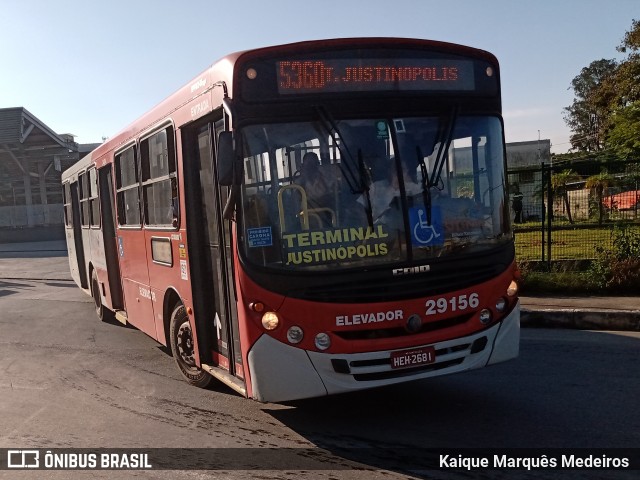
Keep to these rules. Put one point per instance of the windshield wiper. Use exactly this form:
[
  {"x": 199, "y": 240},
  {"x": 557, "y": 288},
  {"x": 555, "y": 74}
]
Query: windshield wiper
[
  {"x": 445, "y": 139},
  {"x": 359, "y": 181},
  {"x": 365, "y": 179},
  {"x": 355, "y": 179},
  {"x": 425, "y": 182},
  {"x": 428, "y": 182}
]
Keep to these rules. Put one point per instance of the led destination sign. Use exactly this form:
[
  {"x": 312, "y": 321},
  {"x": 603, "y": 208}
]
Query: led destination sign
[{"x": 355, "y": 75}]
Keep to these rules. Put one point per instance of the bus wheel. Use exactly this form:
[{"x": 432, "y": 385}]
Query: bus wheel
[{"x": 181, "y": 339}]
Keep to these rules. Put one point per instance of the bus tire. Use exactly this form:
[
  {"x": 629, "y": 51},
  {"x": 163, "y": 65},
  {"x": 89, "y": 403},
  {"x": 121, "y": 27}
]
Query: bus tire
[
  {"x": 182, "y": 348},
  {"x": 101, "y": 311}
]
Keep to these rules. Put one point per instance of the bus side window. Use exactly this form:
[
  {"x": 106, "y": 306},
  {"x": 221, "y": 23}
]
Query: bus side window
[
  {"x": 84, "y": 198},
  {"x": 66, "y": 196},
  {"x": 127, "y": 188},
  {"x": 159, "y": 182},
  {"x": 94, "y": 202}
]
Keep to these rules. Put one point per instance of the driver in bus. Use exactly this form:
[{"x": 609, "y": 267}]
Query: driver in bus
[{"x": 384, "y": 192}]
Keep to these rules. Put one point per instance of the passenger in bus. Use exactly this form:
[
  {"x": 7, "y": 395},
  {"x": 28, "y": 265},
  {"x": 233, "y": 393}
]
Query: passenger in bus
[
  {"x": 313, "y": 182},
  {"x": 317, "y": 189}
]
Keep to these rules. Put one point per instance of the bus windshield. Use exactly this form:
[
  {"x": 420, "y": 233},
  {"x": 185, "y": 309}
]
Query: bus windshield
[{"x": 338, "y": 194}]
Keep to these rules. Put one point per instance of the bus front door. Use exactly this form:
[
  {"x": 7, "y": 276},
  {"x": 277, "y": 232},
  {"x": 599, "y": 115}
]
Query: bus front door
[{"x": 210, "y": 253}]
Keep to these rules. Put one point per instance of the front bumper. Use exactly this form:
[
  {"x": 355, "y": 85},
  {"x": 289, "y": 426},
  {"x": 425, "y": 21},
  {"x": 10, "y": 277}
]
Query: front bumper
[{"x": 280, "y": 372}]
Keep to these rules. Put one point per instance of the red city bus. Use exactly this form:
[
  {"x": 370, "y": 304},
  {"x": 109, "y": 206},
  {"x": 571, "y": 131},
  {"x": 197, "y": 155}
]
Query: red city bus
[{"x": 309, "y": 219}]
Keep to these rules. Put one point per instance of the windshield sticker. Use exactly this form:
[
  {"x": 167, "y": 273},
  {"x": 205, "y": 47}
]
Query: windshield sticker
[
  {"x": 382, "y": 130},
  {"x": 424, "y": 234},
  {"x": 322, "y": 246},
  {"x": 259, "y": 237},
  {"x": 464, "y": 220}
]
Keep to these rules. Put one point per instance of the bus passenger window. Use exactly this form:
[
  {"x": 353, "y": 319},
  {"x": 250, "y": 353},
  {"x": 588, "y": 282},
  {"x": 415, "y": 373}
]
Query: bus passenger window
[
  {"x": 94, "y": 204},
  {"x": 68, "y": 213},
  {"x": 84, "y": 198},
  {"x": 127, "y": 186},
  {"x": 159, "y": 182}
]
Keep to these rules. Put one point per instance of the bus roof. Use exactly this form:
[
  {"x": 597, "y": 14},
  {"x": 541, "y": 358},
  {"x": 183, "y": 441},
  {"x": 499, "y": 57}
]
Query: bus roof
[{"x": 182, "y": 106}]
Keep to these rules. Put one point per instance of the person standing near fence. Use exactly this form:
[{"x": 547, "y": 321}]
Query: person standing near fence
[{"x": 516, "y": 204}]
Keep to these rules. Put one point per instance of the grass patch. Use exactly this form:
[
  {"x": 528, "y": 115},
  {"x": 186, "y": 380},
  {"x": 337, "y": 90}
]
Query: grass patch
[
  {"x": 578, "y": 244},
  {"x": 615, "y": 268}
]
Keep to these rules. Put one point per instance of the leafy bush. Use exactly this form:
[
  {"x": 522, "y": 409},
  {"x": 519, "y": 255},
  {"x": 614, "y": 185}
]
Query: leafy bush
[
  {"x": 563, "y": 278},
  {"x": 618, "y": 267}
]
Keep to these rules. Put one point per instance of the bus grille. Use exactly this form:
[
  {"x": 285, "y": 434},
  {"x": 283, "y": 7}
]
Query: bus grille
[
  {"x": 399, "y": 288},
  {"x": 380, "y": 368}
]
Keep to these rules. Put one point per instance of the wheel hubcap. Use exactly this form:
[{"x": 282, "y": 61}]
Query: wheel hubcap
[{"x": 185, "y": 344}]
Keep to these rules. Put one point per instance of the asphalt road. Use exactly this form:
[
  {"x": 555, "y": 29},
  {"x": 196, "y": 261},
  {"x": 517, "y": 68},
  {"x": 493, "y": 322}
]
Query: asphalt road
[{"x": 70, "y": 381}]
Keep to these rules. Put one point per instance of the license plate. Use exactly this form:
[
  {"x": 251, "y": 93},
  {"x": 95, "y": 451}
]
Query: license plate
[{"x": 413, "y": 357}]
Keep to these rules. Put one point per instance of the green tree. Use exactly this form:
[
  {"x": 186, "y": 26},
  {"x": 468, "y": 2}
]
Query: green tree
[
  {"x": 559, "y": 182},
  {"x": 588, "y": 115},
  {"x": 602, "y": 115},
  {"x": 627, "y": 77},
  {"x": 599, "y": 184},
  {"x": 623, "y": 87},
  {"x": 623, "y": 137}
]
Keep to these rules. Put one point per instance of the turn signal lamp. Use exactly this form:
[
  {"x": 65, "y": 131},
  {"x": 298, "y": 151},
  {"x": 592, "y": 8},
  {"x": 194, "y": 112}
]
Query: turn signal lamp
[
  {"x": 512, "y": 290},
  {"x": 257, "y": 307},
  {"x": 270, "y": 321}
]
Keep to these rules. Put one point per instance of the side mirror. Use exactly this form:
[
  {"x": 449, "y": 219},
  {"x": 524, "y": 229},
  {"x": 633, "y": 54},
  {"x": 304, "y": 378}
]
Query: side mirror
[{"x": 227, "y": 163}]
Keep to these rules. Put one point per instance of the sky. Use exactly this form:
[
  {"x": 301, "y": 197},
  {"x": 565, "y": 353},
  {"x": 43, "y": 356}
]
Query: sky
[{"x": 90, "y": 68}]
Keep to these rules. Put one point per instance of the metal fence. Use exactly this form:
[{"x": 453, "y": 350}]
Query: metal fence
[{"x": 567, "y": 211}]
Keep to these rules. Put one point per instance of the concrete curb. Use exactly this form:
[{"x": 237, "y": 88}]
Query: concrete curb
[{"x": 581, "y": 318}]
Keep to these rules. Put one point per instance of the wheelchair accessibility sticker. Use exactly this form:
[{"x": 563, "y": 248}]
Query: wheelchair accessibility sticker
[{"x": 423, "y": 234}]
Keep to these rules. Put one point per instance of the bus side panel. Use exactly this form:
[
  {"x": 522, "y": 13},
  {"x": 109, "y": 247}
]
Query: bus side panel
[
  {"x": 73, "y": 256},
  {"x": 98, "y": 262},
  {"x": 135, "y": 280},
  {"x": 86, "y": 241},
  {"x": 164, "y": 273}
]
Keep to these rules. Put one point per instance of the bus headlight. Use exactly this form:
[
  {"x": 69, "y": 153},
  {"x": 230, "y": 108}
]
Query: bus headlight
[
  {"x": 323, "y": 341},
  {"x": 270, "y": 321},
  {"x": 501, "y": 304},
  {"x": 295, "y": 334},
  {"x": 485, "y": 316},
  {"x": 512, "y": 290}
]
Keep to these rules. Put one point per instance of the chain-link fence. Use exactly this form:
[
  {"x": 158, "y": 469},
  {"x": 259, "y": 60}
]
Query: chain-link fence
[{"x": 564, "y": 211}]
